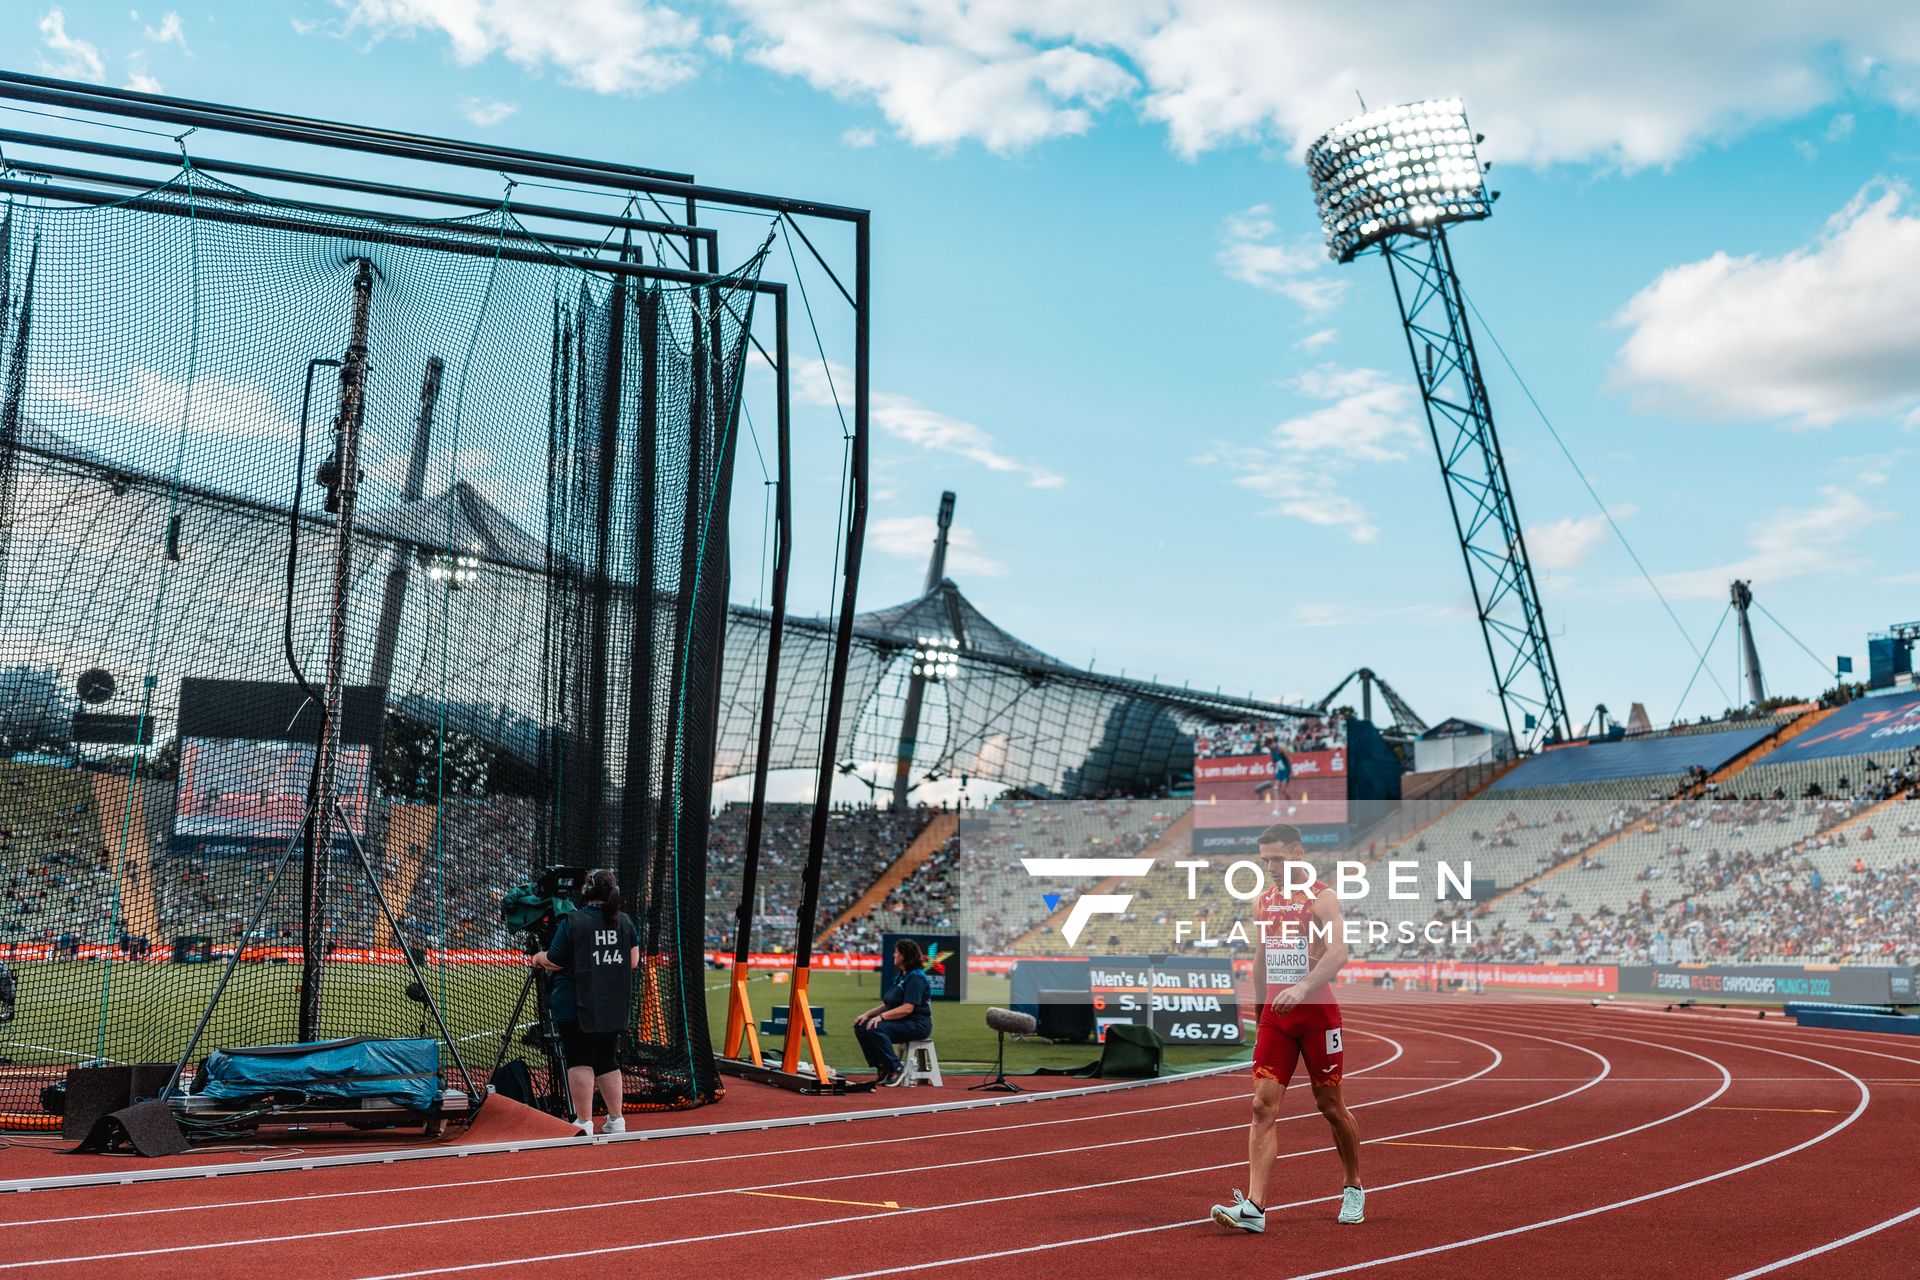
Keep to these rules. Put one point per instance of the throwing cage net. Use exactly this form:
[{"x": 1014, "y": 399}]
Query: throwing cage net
[{"x": 352, "y": 571}]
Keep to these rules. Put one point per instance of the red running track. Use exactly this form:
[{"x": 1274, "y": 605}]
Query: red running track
[{"x": 1538, "y": 1138}]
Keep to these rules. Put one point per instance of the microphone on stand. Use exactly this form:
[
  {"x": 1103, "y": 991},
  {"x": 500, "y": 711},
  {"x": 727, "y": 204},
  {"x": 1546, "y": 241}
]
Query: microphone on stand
[{"x": 1005, "y": 1021}]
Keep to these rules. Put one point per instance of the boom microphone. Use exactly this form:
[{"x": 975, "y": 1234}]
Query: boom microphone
[{"x": 1008, "y": 1022}]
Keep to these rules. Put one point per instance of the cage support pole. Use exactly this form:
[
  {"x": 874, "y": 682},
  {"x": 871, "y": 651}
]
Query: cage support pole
[
  {"x": 799, "y": 1016},
  {"x": 742, "y": 1037},
  {"x": 318, "y": 872}
]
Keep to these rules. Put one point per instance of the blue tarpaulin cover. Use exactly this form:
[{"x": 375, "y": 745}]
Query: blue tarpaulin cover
[{"x": 405, "y": 1072}]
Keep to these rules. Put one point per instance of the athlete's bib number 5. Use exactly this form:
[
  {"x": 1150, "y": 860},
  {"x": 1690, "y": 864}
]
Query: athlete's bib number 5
[{"x": 1333, "y": 1040}]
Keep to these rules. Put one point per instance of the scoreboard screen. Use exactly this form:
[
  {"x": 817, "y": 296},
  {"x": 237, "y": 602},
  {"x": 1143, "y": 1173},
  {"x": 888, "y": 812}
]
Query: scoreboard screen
[
  {"x": 1186, "y": 1000},
  {"x": 1248, "y": 776}
]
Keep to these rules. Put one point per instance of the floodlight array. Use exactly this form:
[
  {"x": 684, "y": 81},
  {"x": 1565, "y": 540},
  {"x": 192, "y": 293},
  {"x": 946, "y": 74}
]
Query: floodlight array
[
  {"x": 1398, "y": 169},
  {"x": 936, "y": 657},
  {"x": 456, "y": 571}
]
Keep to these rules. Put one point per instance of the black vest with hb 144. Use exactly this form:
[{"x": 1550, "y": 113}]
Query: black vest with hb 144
[{"x": 602, "y": 976}]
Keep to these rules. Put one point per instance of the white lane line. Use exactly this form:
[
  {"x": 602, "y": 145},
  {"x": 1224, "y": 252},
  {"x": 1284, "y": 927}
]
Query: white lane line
[
  {"x": 768, "y": 1186},
  {"x": 1191, "y": 1222},
  {"x": 1684, "y": 1029},
  {"x": 1828, "y": 1247},
  {"x": 644, "y": 1200},
  {"x": 1866, "y": 1096},
  {"x": 437, "y": 1151},
  {"x": 1027, "y": 1195},
  {"x": 1778, "y": 1024},
  {"x": 1726, "y": 1082},
  {"x": 1399, "y": 1050}
]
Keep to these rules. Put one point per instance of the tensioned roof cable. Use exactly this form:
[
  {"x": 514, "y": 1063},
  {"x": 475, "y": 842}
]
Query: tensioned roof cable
[
  {"x": 1796, "y": 639},
  {"x": 1592, "y": 493},
  {"x": 1701, "y": 665}
]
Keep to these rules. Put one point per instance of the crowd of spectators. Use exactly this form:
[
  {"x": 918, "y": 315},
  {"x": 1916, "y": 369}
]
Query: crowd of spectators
[
  {"x": 862, "y": 841},
  {"x": 1258, "y": 737},
  {"x": 1751, "y": 901},
  {"x": 975, "y": 884},
  {"x": 1571, "y": 837},
  {"x": 481, "y": 850},
  {"x": 925, "y": 900},
  {"x": 56, "y": 875}
]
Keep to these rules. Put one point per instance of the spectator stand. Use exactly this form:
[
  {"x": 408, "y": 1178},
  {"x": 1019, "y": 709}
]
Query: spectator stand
[{"x": 926, "y": 845}]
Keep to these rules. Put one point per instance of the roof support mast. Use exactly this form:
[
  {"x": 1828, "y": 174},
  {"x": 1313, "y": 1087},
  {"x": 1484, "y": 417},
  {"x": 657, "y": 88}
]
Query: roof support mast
[
  {"x": 917, "y": 682},
  {"x": 1749, "y": 655}
]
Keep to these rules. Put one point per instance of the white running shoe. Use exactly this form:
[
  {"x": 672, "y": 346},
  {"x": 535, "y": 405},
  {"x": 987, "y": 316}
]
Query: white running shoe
[
  {"x": 582, "y": 1130},
  {"x": 614, "y": 1124},
  {"x": 1353, "y": 1205},
  {"x": 1241, "y": 1215}
]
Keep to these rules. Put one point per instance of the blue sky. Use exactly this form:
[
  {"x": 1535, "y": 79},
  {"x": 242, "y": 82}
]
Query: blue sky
[{"x": 1185, "y": 443}]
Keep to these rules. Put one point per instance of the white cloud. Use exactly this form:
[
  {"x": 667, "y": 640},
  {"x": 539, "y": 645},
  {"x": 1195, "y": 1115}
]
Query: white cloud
[
  {"x": 1637, "y": 83},
  {"x": 942, "y": 71},
  {"x": 860, "y": 139},
  {"x": 168, "y": 32},
  {"x": 907, "y": 419},
  {"x": 71, "y": 58},
  {"x": 1827, "y": 331},
  {"x": 1564, "y": 544},
  {"x": 487, "y": 112},
  {"x": 1641, "y": 82},
  {"x": 1794, "y": 542},
  {"x": 911, "y": 538},
  {"x": 141, "y": 82},
  {"x": 1298, "y": 468},
  {"x": 1253, "y": 251},
  {"x": 1317, "y": 339},
  {"x": 219, "y": 406},
  {"x": 609, "y": 46}
]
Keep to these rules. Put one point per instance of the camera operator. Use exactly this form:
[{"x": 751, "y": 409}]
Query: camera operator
[{"x": 592, "y": 958}]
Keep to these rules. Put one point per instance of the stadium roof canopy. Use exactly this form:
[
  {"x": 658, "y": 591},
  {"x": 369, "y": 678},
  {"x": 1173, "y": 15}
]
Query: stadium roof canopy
[{"x": 1006, "y": 713}]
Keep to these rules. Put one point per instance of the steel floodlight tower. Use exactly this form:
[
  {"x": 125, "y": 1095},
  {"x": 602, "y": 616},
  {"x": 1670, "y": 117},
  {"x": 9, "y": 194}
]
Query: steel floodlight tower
[{"x": 1393, "y": 179}]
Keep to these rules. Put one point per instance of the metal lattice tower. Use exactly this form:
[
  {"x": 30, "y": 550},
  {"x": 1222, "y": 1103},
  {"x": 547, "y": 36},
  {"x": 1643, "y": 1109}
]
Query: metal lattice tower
[{"x": 1393, "y": 179}]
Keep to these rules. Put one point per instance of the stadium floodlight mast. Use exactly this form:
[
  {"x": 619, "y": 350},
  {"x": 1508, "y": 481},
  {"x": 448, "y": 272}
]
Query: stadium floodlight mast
[{"x": 1392, "y": 180}]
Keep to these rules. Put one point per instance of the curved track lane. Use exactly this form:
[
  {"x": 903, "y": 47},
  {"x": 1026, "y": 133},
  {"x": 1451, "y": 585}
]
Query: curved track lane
[{"x": 1531, "y": 1137}]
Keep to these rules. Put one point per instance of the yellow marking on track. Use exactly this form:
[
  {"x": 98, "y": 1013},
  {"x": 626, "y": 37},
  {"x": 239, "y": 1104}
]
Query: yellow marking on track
[
  {"x": 1451, "y": 1146},
  {"x": 864, "y": 1204},
  {"x": 1810, "y": 1111}
]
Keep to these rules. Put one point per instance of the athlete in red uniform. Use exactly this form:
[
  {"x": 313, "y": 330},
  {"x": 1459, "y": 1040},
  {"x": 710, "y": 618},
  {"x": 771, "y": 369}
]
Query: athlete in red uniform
[{"x": 1300, "y": 950}]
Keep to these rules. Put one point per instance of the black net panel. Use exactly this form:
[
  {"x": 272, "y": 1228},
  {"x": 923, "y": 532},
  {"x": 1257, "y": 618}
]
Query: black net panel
[{"x": 528, "y": 629}]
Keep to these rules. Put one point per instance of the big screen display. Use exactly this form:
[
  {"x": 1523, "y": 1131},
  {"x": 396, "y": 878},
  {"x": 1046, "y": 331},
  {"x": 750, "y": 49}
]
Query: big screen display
[
  {"x": 1250, "y": 775},
  {"x": 248, "y": 796}
]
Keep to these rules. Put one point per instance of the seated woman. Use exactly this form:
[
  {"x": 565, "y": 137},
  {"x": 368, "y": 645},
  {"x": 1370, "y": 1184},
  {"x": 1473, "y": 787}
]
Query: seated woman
[{"x": 904, "y": 1014}]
